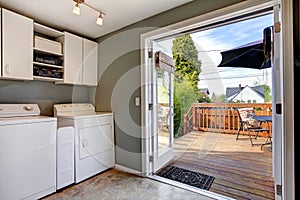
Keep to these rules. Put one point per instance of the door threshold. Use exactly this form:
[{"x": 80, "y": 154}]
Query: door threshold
[{"x": 190, "y": 188}]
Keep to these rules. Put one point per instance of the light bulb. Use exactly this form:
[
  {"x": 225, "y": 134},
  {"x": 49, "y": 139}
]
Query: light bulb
[
  {"x": 76, "y": 9},
  {"x": 99, "y": 20}
]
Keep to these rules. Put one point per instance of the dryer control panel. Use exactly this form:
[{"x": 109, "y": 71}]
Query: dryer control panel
[{"x": 74, "y": 109}]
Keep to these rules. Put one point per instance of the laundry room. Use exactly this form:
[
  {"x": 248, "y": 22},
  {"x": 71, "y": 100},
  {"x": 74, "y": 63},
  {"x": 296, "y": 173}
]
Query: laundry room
[{"x": 79, "y": 90}]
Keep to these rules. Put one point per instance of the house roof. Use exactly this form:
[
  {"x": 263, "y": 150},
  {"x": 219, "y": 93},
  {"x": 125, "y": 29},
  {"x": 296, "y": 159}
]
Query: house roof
[
  {"x": 233, "y": 91},
  {"x": 204, "y": 91}
]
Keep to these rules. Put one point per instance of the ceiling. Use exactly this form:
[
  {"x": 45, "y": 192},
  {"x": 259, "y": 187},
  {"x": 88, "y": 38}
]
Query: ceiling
[{"x": 119, "y": 13}]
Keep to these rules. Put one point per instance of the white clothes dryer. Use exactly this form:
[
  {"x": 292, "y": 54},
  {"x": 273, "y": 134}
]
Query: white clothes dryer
[
  {"x": 27, "y": 152},
  {"x": 94, "y": 137}
]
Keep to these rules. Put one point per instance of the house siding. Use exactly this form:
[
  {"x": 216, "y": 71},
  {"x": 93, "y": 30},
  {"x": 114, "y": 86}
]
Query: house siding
[{"x": 246, "y": 95}]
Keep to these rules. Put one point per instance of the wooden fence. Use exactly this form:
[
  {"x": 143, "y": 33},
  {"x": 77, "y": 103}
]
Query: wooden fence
[{"x": 221, "y": 117}]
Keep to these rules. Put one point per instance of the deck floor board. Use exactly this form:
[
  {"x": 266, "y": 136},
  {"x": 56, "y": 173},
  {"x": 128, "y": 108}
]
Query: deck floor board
[{"x": 241, "y": 171}]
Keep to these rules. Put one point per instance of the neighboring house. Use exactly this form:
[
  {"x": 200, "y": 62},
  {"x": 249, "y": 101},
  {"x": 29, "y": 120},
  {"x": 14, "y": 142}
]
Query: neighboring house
[
  {"x": 204, "y": 91},
  {"x": 246, "y": 94}
]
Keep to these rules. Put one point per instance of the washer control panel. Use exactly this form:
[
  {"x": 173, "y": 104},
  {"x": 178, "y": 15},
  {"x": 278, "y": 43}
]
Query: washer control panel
[{"x": 19, "y": 110}]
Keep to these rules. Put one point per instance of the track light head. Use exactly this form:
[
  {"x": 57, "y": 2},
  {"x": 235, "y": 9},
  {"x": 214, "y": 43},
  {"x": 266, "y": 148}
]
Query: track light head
[
  {"x": 76, "y": 9},
  {"x": 100, "y": 20}
]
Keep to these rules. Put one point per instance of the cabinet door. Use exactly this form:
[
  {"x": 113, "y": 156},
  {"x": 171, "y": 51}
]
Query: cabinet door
[
  {"x": 72, "y": 59},
  {"x": 17, "y": 46},
  {"x": 90, "y": 63}
]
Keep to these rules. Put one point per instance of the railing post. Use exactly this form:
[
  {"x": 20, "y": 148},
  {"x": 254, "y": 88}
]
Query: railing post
[
  {"x": 194, "y": 118},
  {"x": 184, "y": 124}
]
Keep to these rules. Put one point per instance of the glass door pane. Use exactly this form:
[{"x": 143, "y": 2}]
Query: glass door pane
[{"x": 164, "y": 131}]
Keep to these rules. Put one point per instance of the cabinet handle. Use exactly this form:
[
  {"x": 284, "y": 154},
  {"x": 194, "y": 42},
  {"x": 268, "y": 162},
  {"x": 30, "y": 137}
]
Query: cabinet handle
[{"x": 7, "y": 69}]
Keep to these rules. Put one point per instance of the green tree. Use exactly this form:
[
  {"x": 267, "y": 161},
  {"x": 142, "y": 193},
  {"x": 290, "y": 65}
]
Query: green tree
[
  {"x": 267, "y": 92},
  {"x": 218, "y": 99},
  {"x": 268, "y": 95},
  {"x": 222, "y": 98},
  {"x": 203, "y": 98},
  {"x": 186, "y": 78},
  {"x": 187, "y": 65},
  {"x": 183, "y": 99}
]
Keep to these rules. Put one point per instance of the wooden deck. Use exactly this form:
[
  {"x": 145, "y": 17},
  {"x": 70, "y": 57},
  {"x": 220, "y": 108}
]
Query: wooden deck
[{"x": 240, "y": 170}]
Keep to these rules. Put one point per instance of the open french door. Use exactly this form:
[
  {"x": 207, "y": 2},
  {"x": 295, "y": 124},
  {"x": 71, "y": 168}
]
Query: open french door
[
  {"x": 277, "y": 85},
  {"x": 162, "y": 73},
  {"x": 155, "y": 158}
]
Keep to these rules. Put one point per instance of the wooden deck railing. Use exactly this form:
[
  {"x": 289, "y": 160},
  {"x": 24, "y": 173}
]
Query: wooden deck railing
[{"x": 221, "y": 117}]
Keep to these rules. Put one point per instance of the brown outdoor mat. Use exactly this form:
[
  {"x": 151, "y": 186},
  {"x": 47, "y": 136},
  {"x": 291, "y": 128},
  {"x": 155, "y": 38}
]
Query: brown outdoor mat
[{"x": 189, "y": 177}]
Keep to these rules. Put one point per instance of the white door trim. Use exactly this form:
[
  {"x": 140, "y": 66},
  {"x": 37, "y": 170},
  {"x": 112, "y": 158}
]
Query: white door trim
[
  {"x": 229, "y": 12},
  {"x": 288, "y": 162},
  {"x": 245, "y": 7}
]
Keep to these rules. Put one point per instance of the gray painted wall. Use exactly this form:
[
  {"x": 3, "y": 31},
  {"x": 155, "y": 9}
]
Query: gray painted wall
[
  {"x": 45, "y": 94},
  {"x": 120, "y": 76}
]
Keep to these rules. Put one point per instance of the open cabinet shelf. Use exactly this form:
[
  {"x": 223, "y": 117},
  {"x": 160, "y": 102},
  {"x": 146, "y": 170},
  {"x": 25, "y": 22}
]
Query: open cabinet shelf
[{"x": 47, "y": 51}]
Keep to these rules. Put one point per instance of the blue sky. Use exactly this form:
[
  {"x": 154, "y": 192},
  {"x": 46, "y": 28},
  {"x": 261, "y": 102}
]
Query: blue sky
[
  {"x": 210, "y": 43},
  {"x": 238, "y": 33}
]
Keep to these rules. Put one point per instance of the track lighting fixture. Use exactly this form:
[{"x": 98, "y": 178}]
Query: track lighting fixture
[{"x": 76, "y": 10}]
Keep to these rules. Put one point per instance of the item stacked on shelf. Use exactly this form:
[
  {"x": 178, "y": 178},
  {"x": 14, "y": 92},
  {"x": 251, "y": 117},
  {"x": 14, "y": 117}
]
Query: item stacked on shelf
[
  {"x": 48, "y": 60},
  {"x": 47, "y": 72}
]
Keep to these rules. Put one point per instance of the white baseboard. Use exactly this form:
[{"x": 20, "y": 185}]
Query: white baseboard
[{"x": 129, "y": 170}]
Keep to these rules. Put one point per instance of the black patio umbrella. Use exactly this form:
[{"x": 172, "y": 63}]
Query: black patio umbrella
[{"x": 250, "y": 55}]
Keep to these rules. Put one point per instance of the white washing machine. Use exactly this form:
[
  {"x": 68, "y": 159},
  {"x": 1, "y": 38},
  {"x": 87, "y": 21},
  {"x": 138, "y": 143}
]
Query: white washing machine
[
  {"x": 27, "y": 152},
  {"x": 94, "y": 137}
]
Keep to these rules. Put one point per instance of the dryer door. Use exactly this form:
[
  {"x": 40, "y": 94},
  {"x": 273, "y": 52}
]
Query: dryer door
[{"x": 94, "y": 140}]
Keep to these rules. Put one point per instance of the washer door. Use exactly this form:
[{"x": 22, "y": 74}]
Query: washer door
[
  {"x": 94, "y": 140},
  {"x": 28, "y": 160}
]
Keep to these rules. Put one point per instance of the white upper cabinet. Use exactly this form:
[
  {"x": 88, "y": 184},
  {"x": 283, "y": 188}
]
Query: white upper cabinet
[
  {"x": 17, "y": 46},
  {"x": 90, "y": 62},
  {"x": 72, "y": 45},
  {"x": 32, "y": 51},
  {"x": 80, "y": 60}
]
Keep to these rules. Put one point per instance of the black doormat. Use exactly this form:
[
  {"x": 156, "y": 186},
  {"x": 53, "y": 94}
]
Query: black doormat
[{"x": 192, "y": 178}]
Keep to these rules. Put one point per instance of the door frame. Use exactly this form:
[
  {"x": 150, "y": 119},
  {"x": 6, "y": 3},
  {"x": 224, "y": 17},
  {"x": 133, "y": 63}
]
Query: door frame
[
  {"x": 288, "y": 146},
  {"x": 205, "y": 20}
]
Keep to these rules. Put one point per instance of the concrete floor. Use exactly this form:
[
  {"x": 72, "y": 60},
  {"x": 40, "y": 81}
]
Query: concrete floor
[{"x": 114, "y": 184}]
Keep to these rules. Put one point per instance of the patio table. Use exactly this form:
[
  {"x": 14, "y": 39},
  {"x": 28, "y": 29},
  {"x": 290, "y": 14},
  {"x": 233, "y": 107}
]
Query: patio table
[{"x": 265, "y": 119}]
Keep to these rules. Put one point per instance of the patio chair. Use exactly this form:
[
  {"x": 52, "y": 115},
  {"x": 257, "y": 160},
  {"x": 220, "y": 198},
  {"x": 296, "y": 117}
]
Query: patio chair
[{"x": 249, "y": 124}]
